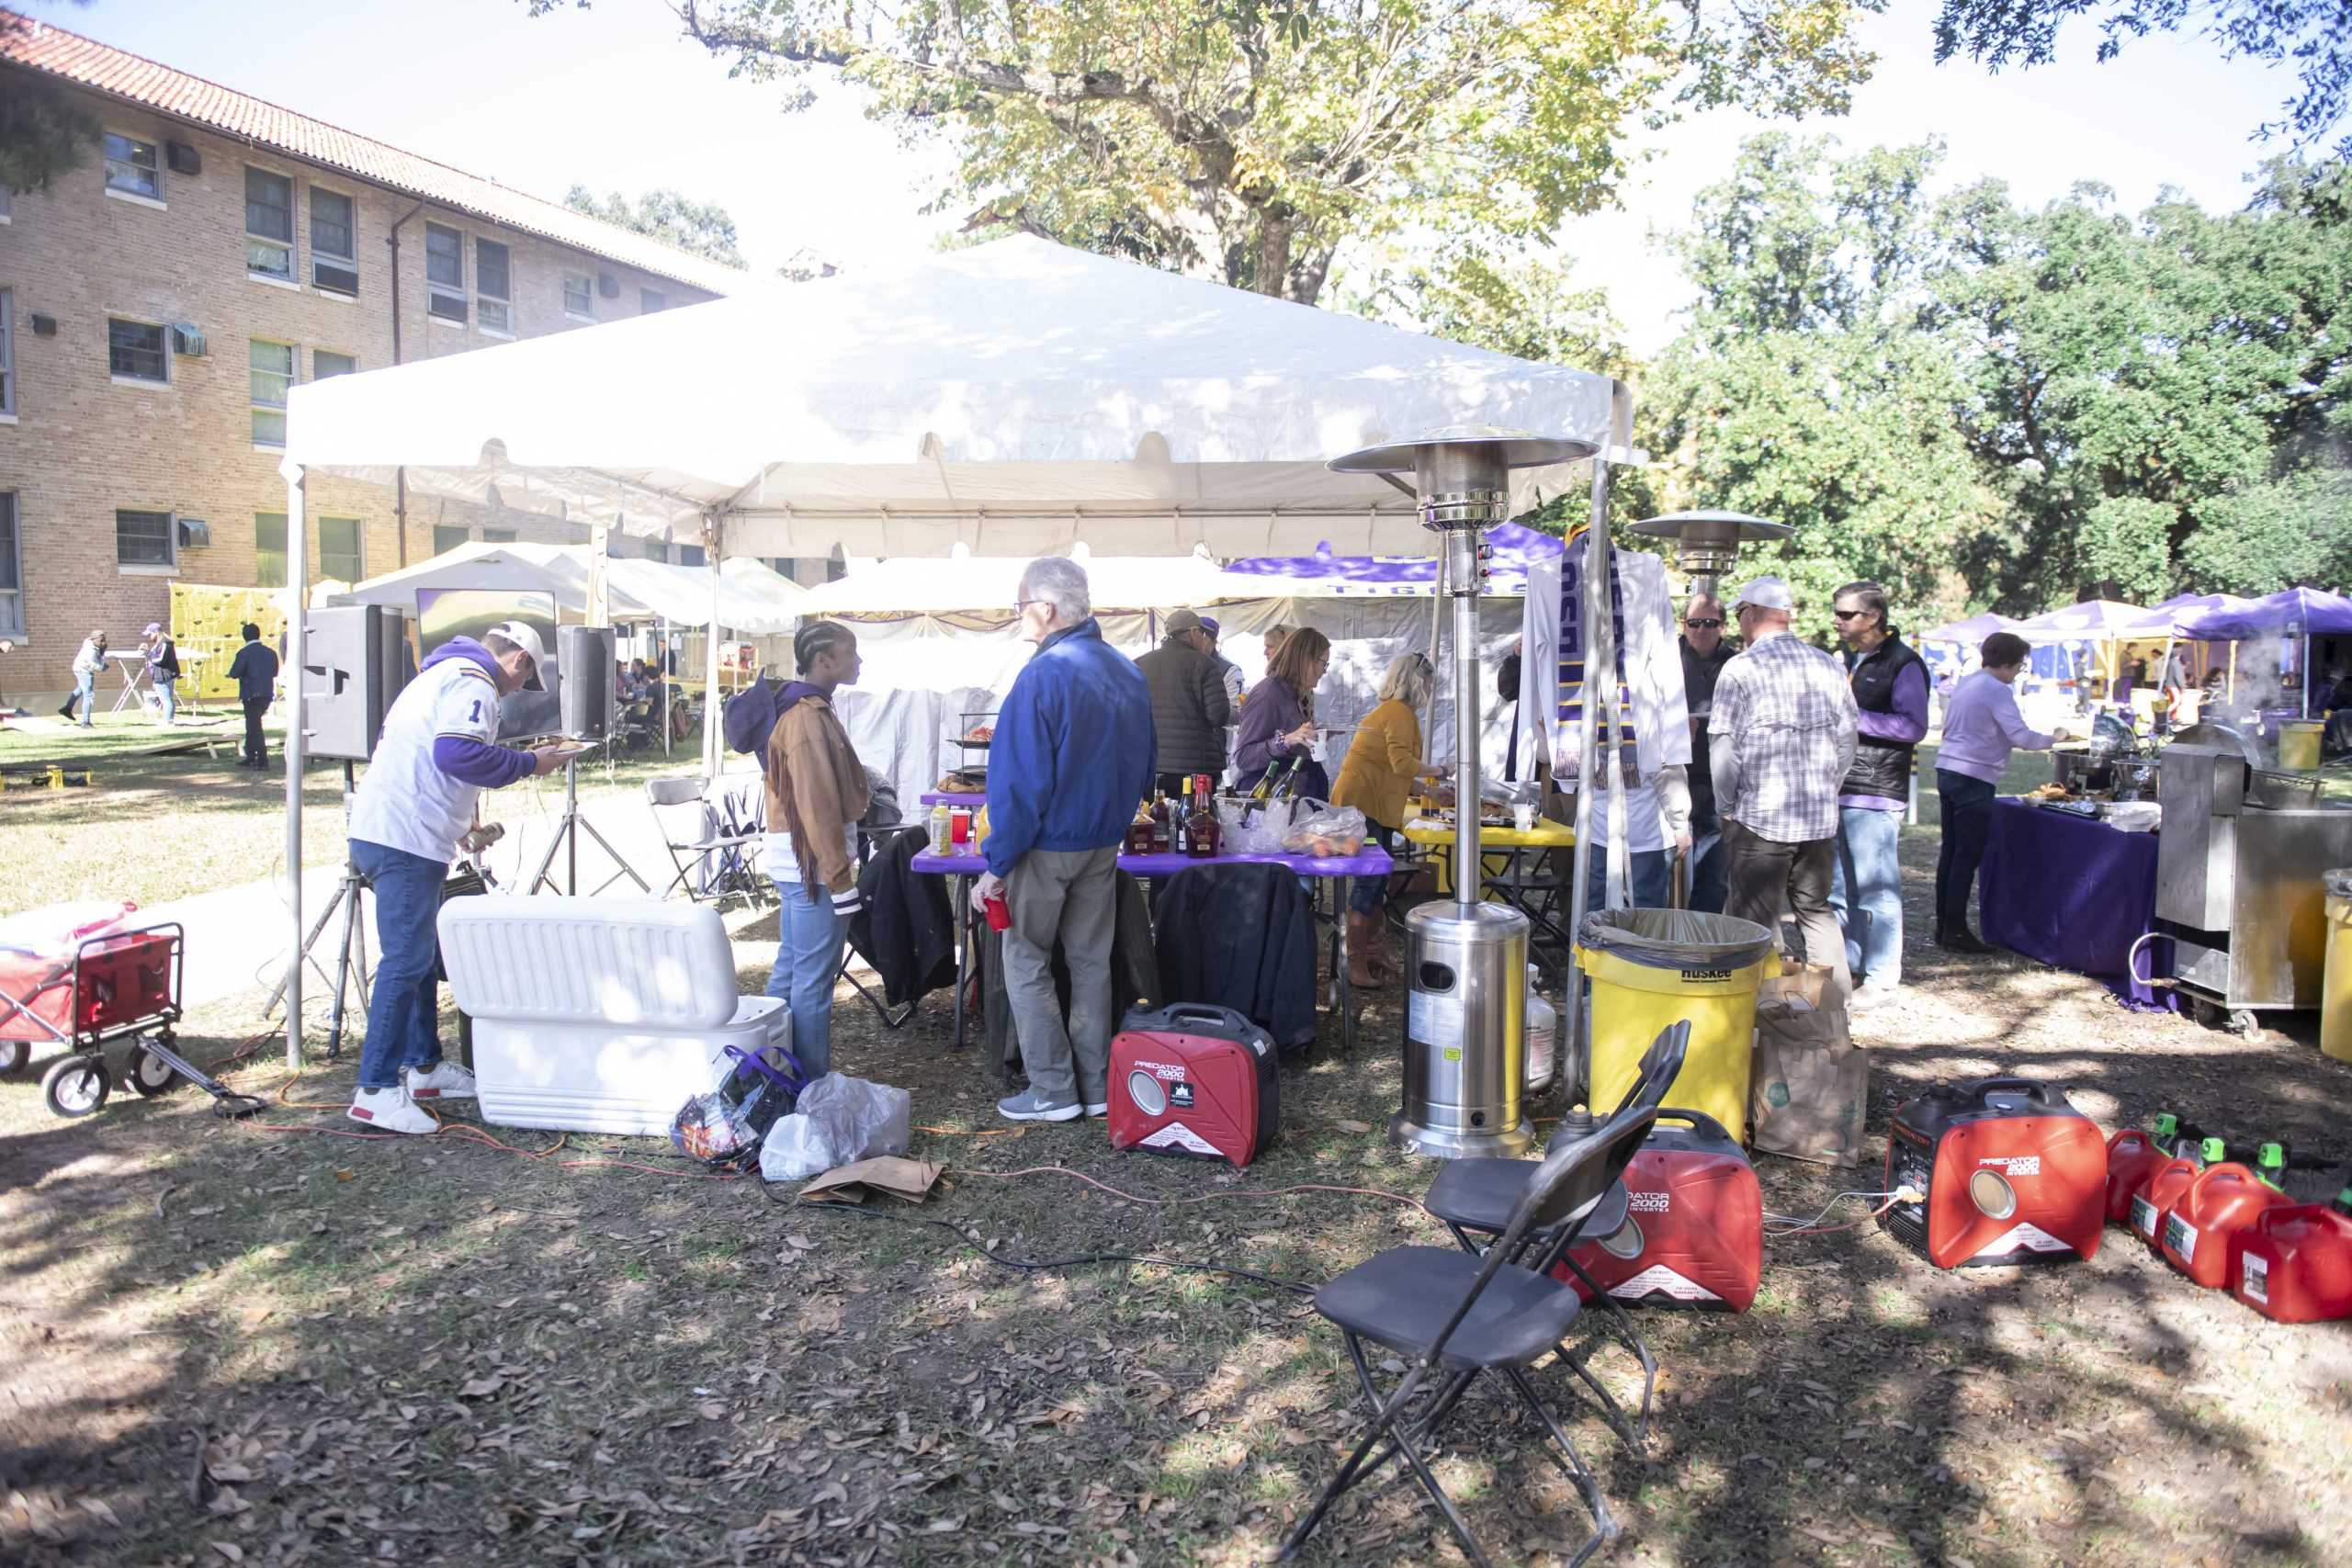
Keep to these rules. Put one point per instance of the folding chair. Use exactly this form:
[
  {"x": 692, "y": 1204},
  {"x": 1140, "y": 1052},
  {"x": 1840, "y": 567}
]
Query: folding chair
[
  {"x": 891, "y": 1018},
  {"x": 1474, "y": 1199},
  {"x": 1457, "y": 1314},
  {"x": 714, "y": 855}
]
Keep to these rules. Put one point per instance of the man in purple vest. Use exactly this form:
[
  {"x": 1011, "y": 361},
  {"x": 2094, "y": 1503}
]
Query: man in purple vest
[{"x": 1889, "y": 686}]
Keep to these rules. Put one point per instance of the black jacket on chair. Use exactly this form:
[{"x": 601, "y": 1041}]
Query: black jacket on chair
[
  {"x": 903, "y": 927},
  {"x": 1243, "y": 937},
  {"x": 1135, "y": 975}
]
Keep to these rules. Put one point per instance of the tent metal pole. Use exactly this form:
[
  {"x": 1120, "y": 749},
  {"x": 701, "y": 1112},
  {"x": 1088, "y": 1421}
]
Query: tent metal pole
[
  {"x": 713, "y": 536},
  {"x": 297, "y": 559},
  {"x": 661, "y": 674},
  {"x": 1437, "y": 623},
  {"x": 1595, "y": 614}
]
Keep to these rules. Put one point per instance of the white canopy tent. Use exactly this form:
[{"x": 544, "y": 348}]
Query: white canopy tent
[
  {"x": 1016, "y": 398},
  {"x": 637, "y": 589}
]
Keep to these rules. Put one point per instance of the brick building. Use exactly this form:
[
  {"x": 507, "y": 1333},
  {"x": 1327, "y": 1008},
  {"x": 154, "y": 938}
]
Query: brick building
[{"x": 157, "y": 300}]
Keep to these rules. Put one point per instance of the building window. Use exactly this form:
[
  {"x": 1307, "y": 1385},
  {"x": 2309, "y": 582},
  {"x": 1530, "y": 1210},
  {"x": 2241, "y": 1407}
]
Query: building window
[
  {"x": 690, "y": 555},
  {"x": 269, "y": 549},
  {"x": 143, "y": 538},
  {"x": 131, "y": 168},
  {"x": 135, "y": 351},
  {"x": 651, "y": 299},
  {"x": 12, "y": 576},
  {"x": 492, "y": 287},
  {"x": 498, "y": 536},
  {"x": 339, "y": 548},
  {"x": 325, "y": 362},
  {"x": 269, "y": 225},
  {"x": 273, "y": 374},
  {"x": 580, "y": 295},
  {"x": 446, "y": 538},
  {"x": 444, "y": 273},
  {"x": 334, "y": 241},
  {"x": 7, "y": 351}
]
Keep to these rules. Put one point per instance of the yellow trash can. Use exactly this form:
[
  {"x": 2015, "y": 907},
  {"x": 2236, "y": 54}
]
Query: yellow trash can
[
  {"x": 2335, "y": 990},
  {"x": 2298, "y": 745},
  {"x": 1653, "y": 968}
]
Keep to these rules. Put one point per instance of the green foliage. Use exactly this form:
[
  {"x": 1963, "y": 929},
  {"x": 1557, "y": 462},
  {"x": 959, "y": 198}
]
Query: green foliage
[
  {"x": 2294, "y": 530},
  {"x": 43, "y": 132},
  {"x": 1527, "y": 305},
  {"x": 704, "y": 228},
  {"x": 1249, "y": 140}
]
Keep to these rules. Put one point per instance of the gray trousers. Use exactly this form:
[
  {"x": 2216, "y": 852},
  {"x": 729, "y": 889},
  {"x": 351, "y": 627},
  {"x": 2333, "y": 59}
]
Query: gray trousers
[
  {"x": 1765, "y": 874},
  {"x": 1069, "y": 897}
]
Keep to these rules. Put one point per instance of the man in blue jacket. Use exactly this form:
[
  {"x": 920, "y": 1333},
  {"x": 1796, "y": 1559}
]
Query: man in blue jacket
[
  {"x": 1074, "y": 755},
  {"x": 438, "y": 752}
]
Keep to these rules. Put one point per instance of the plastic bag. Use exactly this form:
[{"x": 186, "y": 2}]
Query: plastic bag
[
  {"x": 1252, "y": 827},
  {"x": 724, "y": 1127},
  {"x": 1676, "y": 939},
  {"x": 1327, "y": 831},
  {"x": 2337, "y": 883},
  {"x": 839, "y": 1120}
]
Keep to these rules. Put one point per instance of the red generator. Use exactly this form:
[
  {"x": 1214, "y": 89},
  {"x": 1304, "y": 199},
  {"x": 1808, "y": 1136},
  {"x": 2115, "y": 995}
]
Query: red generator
[
  {"x": 2295, "y": 1264},
  {"x": 1193, "y": 1079},
  {"x": 1693, "y": 1234},
  {"x": 2011, "y": 1174}
]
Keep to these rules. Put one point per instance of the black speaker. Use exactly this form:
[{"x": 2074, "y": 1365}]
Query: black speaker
[
  {"x": 355, "y": 662},
  {"x": 585, "y": 655}
]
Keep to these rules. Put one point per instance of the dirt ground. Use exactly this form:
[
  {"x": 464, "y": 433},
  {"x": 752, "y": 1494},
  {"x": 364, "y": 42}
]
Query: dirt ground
[{"x": 278, "y": 1343}]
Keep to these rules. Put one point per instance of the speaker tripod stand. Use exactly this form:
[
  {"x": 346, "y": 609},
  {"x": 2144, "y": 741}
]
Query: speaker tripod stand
[
  {"x": 351, "y": 945},
  {"x": 567, "y": 838}
]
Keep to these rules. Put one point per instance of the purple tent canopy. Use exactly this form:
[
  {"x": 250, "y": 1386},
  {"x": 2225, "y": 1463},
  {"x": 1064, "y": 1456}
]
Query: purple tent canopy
[
  {"x": 2092, "y": 620},
  {"x": 1512, "y": 549},
  {"x": 2298, "y": 612}
]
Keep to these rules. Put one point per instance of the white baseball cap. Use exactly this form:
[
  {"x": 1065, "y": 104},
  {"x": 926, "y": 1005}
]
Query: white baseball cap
[
  {"x": 524, "y": 635},
  {"x": 1765, "y": 593}
]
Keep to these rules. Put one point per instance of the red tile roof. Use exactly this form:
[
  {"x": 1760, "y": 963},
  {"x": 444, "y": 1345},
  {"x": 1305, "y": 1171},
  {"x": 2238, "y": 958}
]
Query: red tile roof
[{"x": 39, "y": 46}]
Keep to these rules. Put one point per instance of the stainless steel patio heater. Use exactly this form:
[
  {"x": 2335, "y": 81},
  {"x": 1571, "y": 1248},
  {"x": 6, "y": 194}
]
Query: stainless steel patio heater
[
  {"x": 1465, "y": 962},
  {"x": 1710, "y": 541}
]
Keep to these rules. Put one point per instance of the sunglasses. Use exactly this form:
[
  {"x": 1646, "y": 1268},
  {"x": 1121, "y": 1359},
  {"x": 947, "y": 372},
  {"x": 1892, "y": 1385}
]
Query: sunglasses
[{"x": 1704, "y": 626}]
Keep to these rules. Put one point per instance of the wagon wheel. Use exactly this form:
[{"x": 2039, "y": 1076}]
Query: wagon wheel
[
  {"x": 75, "y": 1086},
  {"x": 150, "y": 1075},
  {"x": 13, "y": 1055},
  {"x": 2244, "y": 1020}
]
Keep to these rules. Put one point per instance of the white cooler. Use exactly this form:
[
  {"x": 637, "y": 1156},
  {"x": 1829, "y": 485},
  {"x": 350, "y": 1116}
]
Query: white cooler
[{"x": 598, "y": 1015}]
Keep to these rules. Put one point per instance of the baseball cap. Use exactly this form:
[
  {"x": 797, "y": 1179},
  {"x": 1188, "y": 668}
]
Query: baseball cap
[
  {"x": 152, "y": 627},
  {"x": 1179, "y": 622},
  {"x": 1765, "y": 593},
  {"x": 524, "y": 635},
  {"x": 1211, "y": 626}
]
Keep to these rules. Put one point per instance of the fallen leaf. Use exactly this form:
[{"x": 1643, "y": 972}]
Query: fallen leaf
[
  {"x": 711, "y": 1410},
  {"x": 346, "y": 1175},
  {"x": 481, "y": 1388},
  {"x": 230, "y": 1550},
  {"x": 1352, "y": 1126}
]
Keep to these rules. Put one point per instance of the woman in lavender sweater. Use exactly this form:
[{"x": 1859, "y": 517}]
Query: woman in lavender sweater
[{"x": 1982, "y": 726}]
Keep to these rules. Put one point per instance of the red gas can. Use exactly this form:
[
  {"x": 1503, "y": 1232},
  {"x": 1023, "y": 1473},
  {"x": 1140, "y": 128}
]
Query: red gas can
[
  {"x": 2200, "y": 1233},
  {"x": 2011, "y": 1174},
  {"x": 2132, "y": 1157},
  {"x": 1695, "y": 1223},
  {"x": 2295, "y": 1263},
  {"x": 1193, "y": 1079},
  {"x": 2165, "y": 1187}
]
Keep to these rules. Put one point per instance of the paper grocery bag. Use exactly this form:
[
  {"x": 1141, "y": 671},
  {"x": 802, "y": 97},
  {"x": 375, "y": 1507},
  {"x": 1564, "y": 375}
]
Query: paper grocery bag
[{"x": 1809, "y": 1089}]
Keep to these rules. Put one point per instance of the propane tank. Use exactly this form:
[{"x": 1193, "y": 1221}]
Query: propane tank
[{"x": 1543, "y": 1036}]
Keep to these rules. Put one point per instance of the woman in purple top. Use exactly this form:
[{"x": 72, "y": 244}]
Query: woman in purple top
[
  {"x": 1889, "y": 686},
  {"x": 1982, "y": 726}
]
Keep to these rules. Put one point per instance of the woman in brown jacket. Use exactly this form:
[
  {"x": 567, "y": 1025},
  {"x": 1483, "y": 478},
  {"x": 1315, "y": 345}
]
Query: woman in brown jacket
[
  {"x": 816, "y": 793},
  {"x": 1383, "y": 764}
]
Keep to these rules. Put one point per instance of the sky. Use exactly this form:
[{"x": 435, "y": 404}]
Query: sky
[{"x": 613, "y": 98}]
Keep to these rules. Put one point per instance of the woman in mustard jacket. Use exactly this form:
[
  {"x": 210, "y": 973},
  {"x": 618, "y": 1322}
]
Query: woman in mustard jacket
[{"x": 1383, "y": 764}]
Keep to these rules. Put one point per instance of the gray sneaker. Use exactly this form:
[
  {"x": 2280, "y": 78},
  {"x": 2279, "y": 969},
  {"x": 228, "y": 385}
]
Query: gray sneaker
[
  {"x": 1098, "y": 1108},
  {"x": 1031, "y": 1106}
]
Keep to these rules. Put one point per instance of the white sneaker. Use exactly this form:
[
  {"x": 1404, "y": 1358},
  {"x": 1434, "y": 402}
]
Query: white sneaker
[
  {"x": 390, "y": 1110},
  {"x": 446, "y": 1081}
]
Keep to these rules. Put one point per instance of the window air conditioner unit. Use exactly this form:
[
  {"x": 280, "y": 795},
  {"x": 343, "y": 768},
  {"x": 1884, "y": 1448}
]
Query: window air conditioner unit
[
  {"x": 44, "y": 326},
  {"x": 340, "y": 279},
  {"x": 608, "y": 286},
  {"x": 187, "y": 339},
  {"x": 181, "y": 159},
  {"x": 196, "y": 534}
]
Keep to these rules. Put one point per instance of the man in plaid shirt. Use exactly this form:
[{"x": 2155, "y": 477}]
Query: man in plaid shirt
[{"x": 1780, "y": 739}]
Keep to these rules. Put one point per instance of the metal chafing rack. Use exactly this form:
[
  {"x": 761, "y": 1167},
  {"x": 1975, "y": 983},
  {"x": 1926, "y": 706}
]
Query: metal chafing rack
[{"x": 2239, "y": 859}]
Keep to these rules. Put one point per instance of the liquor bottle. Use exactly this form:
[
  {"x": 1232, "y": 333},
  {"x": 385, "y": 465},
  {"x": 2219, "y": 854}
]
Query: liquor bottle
[
  {"x": 1180, "y": 819},
  {"x": 1162, "y": 835},
  {"x": 1204, "y": 833},
  {"x": 1139, "y": 832}
]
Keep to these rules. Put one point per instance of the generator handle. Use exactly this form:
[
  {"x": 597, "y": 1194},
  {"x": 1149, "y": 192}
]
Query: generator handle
[
  {"x": 1699, "y": 1120},
  {"x": 1205, "y": 1012},
  {"x": 2040, "y": 1093}
]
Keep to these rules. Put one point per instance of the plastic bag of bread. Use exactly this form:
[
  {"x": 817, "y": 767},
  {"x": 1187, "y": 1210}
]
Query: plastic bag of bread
[{"x": 1327, "y": 831}]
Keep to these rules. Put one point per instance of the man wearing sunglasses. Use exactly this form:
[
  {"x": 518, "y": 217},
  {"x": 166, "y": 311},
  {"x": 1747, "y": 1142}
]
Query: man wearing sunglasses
[
  {"x": 1889, "y": 686},
  {"x": 1704, "y": 654}
]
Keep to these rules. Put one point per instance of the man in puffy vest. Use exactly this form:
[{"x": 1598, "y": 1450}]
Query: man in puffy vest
[
  {"x": 1189, "y": 704},
  {"x": 1889, "y": 686}
]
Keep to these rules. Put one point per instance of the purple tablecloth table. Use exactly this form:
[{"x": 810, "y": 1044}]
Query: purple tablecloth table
[
  {"x": 2074, "y": 892},
  {"x": 1372, "y": 862}
]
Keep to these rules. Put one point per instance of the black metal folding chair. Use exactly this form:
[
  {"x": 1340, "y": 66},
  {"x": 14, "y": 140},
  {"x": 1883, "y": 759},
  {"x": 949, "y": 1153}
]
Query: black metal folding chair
[
  {"x": 1458, "y": 1315},
  {"x": 1476, "y": 1197},
  {"x": 890, "y": 1018}
]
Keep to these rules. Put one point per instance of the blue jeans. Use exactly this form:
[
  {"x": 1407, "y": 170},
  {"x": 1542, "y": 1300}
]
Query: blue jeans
[
  {"x": 403, "y": 1010},
  {"x": 809, "y": 938},
  {"x": 1866, "y": 892},
  {"x": 1649, "y": 878},
  {"x": 1967, "y": 810},
  {"x": 1367, "y": 893},
  {"x": 86, "y": 692},
  {"x": 1711, "y": 880},
  {"x": 169, "y": 687}
]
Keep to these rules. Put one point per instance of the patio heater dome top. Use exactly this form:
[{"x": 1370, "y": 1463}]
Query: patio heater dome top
[
  {"x": 1708, "y": 541},
  {"x": 1508, "y": 448}
]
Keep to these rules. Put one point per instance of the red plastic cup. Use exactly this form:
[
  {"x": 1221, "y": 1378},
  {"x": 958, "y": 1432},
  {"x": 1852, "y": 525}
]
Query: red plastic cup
[
  {"x": 999, "y": 913},
  {"x": 959, "y": 825}
]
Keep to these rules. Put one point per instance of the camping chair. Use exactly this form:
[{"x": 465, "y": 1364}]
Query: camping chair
[
  {"x": 1474, "y": 1199},
  {"x": 712, "y": 847},
  {"x": 1456, "y": 1315}
]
